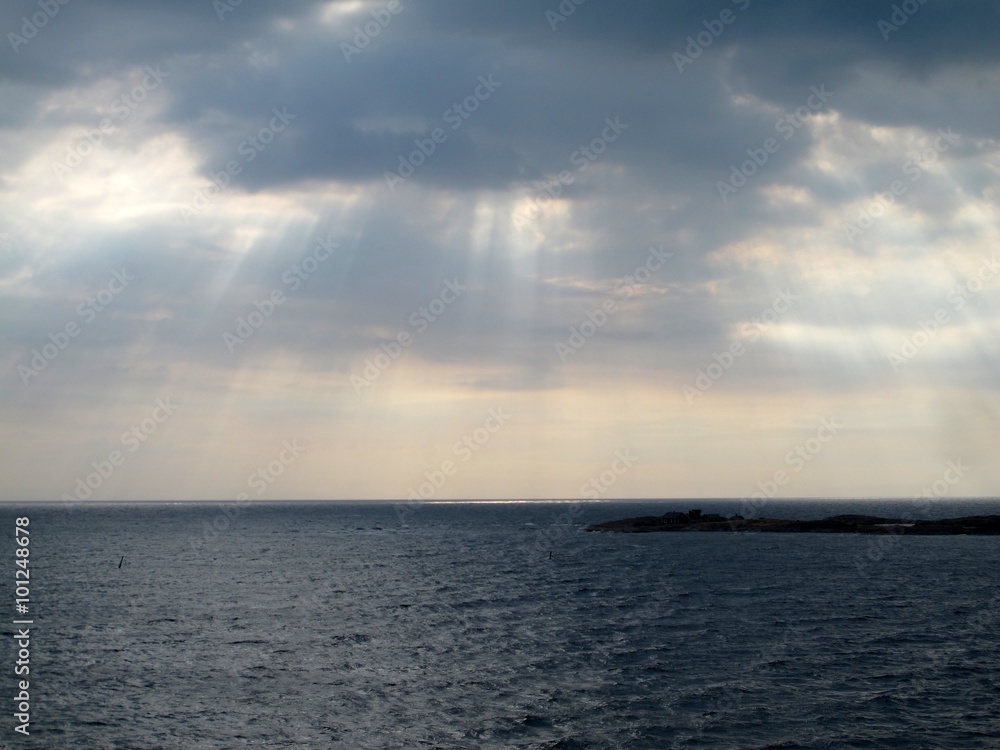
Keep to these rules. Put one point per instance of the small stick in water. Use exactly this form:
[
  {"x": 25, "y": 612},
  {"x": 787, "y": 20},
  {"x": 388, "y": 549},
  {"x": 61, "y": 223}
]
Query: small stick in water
[{"x": 121, "y": 561}]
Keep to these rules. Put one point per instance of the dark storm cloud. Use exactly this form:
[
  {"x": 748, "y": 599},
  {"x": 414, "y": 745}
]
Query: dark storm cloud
[
  {"x": 556, "y": 87},
  {"x": 354, "y": 120},
  {"x": 82, "y": 40}
]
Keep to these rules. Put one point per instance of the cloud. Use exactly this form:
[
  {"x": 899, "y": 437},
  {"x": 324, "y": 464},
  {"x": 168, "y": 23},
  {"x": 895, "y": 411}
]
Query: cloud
[{"x": 536, "y": 166}]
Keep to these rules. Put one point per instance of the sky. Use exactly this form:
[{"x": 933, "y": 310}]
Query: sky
[{"x": 438, "y": 249}]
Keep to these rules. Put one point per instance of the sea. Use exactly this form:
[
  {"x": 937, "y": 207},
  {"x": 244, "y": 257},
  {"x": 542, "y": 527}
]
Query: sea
[{"x": 497, "y": 625}]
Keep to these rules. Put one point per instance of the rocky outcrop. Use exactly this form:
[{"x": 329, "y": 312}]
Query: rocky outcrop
[{"x": 841, "y": 524}]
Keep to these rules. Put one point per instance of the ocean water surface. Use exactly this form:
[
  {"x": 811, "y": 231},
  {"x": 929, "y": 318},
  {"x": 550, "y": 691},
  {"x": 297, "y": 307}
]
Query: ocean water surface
[{"x": 448, "y": 626}]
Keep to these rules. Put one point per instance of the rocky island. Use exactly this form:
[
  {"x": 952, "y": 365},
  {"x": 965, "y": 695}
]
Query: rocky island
[{"x": 694, "y": 520}]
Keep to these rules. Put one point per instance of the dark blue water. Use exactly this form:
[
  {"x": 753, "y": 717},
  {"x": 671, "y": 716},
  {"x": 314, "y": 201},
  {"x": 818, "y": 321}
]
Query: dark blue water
[{"x": 333, "y": 626}]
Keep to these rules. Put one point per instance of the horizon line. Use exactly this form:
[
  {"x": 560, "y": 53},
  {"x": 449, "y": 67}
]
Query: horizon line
[{"x": 489, "y": 501}]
